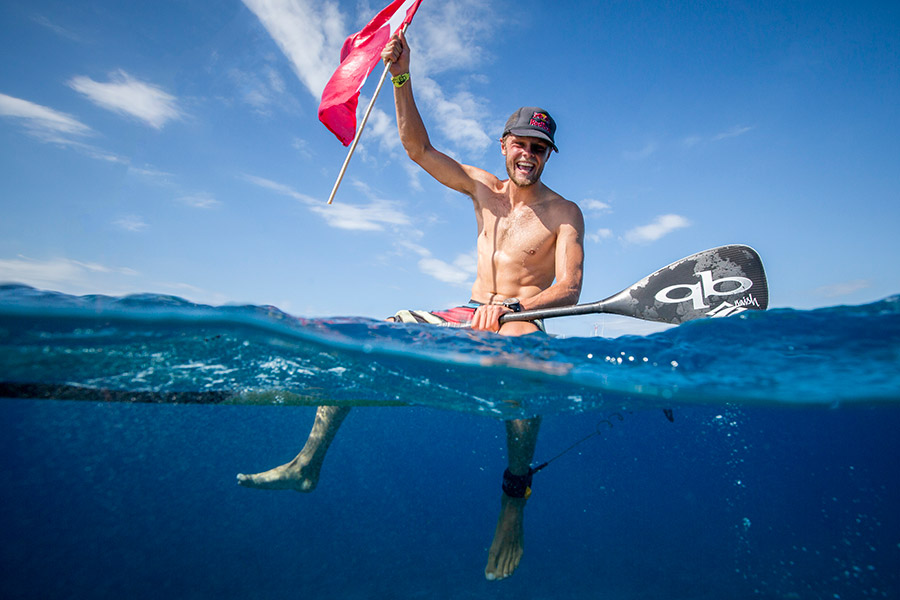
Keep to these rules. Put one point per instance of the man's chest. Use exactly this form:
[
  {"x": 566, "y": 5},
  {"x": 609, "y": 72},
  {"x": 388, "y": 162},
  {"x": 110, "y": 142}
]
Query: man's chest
[{"x": 516, "y": 232}]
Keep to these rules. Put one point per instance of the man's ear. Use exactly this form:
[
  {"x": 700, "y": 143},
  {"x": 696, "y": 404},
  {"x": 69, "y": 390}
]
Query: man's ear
[{"x": 503, "y": 146}]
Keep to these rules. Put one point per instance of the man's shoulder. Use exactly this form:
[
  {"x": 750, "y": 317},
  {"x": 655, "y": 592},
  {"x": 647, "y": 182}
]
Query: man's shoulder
[
  {"x": 558, "y": 205},
  {"x": 483, "y": 177},
  {"x": 563, "y": 215}
]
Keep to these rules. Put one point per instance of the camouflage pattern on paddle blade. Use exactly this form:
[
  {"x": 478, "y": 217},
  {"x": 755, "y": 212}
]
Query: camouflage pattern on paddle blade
[{"x": 714, "y": 283}]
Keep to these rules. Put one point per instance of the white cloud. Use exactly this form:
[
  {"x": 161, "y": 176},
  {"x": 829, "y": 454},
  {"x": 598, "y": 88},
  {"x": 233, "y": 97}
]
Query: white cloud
[
  {"x": 380, "y": 126},
  {"x": 455, "y": 117},
  {"x": 377, "y": 215},
  {"x": 278, "y": 187},
  {"x": 451, "y": 33},
  {"x": 733, "y": 132},
  {"x": 150, "y": 173},
  {"x": 600, "y": 235},
  {"x": 310, "y": 35},
  {"x": 695, "y": 140},
  {"x": 60, "y": 31},
  {"x": 370, "y": 217},
  {"x": 662, "y": 226},
  {"x": 596, "y": 206},
  {"x": 80, "y": 277},
  {"x": 448, "y": 36},
  {"x": 413, "y": 175},
  {"x": 692, "y": 140},
  {"x": 460, "y": 272},
  {"x": 54, "y": 127},
  {"x": 843, "y": 289},
  {"x": 443, "y": 271},
  {"x": 43, "y": 122},
  {"x": 261, "y": 91},
  {"x": 373, "y": 216},
  {"x": 63, "y": 274},
  {"x": 276, "y": 83},
  {"x": 302, "y": 147},
  {"x": 101, "y": 154},
  {"x": 125, "y": 95},
  {"x": 201, "y": 200},
  {"x": 467, "y": 262},
  {"x": 648, "y": 150},
  {"x": 414, "y": 248},
  {"x": 131, "y": 223}
]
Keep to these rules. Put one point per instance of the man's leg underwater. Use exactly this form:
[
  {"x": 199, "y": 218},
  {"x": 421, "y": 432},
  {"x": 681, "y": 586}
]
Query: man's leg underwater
[
  {"x": 302, "y": 473},
  {"x": 509, "y": 538},
  {"x": 521, "y": 438}
]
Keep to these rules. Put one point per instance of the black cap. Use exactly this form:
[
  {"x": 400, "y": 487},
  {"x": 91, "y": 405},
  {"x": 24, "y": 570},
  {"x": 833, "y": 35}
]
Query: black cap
[{"x": 531, "y": 121}]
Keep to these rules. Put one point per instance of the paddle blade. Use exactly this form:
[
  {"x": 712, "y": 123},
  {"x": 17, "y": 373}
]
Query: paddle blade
[{"x": 715, "y": 283}]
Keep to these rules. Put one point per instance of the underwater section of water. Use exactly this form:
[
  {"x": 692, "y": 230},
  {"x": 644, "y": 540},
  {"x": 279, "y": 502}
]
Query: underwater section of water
[{"x": 139, "y": 501}]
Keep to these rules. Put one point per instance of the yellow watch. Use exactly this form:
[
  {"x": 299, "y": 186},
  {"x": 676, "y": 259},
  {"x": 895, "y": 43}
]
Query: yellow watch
[{"x": 400, "y": 79}]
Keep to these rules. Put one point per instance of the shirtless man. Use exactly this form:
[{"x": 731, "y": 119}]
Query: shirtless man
[{"x": 528, "y": 236}]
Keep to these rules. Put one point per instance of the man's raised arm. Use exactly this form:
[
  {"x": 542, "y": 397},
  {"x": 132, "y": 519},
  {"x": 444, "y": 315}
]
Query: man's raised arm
[{"x": 413, "y": 135}]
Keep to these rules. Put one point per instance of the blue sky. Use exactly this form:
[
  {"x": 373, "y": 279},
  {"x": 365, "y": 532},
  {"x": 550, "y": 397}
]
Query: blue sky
[{"x": 173, "y": 147}]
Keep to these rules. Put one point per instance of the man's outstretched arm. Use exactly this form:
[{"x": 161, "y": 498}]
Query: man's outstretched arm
[{"x": 413, "y": 134}]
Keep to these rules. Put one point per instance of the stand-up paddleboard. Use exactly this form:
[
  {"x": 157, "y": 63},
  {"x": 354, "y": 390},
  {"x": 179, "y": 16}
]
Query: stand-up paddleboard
[{"x": 714, "y": 283}]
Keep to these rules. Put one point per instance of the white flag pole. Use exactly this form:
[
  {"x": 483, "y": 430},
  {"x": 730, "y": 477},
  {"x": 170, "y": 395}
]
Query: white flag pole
[
  {"x": 359, "y": 131},
  {"x": 362, "y": 126}
]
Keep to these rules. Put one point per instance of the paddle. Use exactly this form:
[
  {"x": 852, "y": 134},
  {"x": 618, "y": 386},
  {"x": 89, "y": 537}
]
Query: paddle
[{"x": 714, "y": 283}]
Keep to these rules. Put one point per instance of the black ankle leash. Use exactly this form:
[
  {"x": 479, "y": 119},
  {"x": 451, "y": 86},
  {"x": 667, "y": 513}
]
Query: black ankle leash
[{"x": 519, "y": 486}]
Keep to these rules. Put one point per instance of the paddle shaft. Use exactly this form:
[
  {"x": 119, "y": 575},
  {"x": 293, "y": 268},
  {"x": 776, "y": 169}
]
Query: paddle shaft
[
  {"x": 603, "y": 306},
  {"x": 556, "y": 311}
]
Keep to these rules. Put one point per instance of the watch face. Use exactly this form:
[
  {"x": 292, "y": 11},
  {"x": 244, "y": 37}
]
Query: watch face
[{"x": 512, "y": 304}]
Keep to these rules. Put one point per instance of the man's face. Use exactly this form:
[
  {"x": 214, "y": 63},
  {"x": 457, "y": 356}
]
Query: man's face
[{"x": 525, "y": 158}]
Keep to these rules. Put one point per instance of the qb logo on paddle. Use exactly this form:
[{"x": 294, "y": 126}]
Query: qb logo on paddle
[{"x": 707, "y": 286}]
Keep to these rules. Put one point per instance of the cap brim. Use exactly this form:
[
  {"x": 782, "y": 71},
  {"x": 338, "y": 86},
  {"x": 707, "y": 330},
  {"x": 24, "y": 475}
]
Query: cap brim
[{"x": 527, "y": 132}]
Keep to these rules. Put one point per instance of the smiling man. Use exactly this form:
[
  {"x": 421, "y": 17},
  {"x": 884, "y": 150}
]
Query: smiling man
[{"x": 530, "y": 255}]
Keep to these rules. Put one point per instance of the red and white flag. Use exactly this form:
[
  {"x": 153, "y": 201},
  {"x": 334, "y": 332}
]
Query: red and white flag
[{"x": 359, "y": 55}]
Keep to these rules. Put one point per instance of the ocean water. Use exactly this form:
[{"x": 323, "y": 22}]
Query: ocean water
[{"x": 124, "y": 422}]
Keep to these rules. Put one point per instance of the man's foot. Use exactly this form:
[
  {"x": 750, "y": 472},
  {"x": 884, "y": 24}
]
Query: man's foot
[
  {"x": 509, "y": 540},
  {"x": 296, "y": 475}
]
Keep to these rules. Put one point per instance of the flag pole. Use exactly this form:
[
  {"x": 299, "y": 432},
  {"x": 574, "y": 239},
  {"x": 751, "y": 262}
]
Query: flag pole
[
  {"x": 362, "y": 125},
  {"x": 359, "y": 131}
]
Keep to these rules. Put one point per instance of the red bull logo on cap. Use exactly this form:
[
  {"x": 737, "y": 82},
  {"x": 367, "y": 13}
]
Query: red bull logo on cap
[{"x": 541, "y": 121}]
